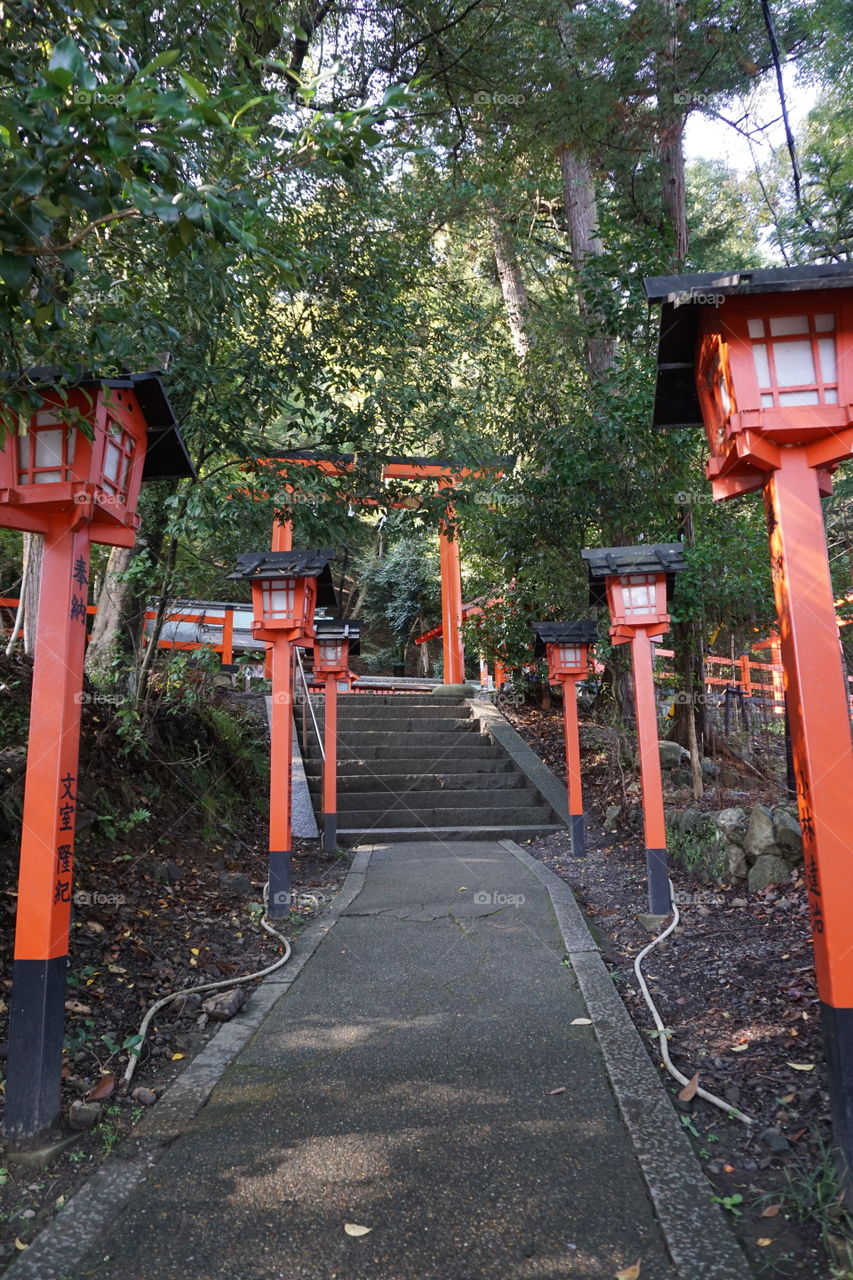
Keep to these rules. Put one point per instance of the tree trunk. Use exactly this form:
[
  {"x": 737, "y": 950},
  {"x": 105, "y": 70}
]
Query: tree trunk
[
  {"x": 671, "y": 137},
  {"x": 513, "y": 288},
  {"x": 34, "y": 552},
  {"x": 112, "y": 603},
  {"x": 582, "y": 216}
]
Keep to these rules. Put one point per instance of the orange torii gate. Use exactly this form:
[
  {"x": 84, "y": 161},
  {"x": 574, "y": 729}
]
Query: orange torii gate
[{"x": 447, "y": 475}]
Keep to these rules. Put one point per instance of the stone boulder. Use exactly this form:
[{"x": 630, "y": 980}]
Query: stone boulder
[
  {"x": 788, "y": 836},
  {"x": 733, "y": 824},
  {"x": 768, "y": 869},
  {"x": 612, "y": 814},
  {"x": 760, "y": 838},
  {"x": 672, "y": 755},
  {"x": 736, "y": 861},
  {"x": 225, "y": 1004},
  {"x": 692, "y": 820},
  {"x": 710, "y": 769}
]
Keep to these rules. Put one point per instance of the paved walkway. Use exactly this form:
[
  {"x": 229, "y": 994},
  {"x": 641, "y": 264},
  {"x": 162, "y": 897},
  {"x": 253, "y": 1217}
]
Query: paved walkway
[{"x": 403, "y": 1082}]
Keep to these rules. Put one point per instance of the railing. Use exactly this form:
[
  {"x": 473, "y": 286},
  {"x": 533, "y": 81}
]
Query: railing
[
  {"x": 222, "y": 620},
  {"x": 306, "y": 701}
]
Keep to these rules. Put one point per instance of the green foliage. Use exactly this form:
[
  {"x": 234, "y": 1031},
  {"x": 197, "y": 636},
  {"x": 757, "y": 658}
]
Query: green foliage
[
  {"x": 700, "y": 851},
  {"x": 401, "y": 587}
]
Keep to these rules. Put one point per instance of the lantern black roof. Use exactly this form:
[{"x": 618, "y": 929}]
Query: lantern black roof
[
  {"x": 340, "y": 629},
  {"x": 681, "y": 299},
  {"x": 166, "y": 454},
  {"x": 605, "y": 562},
  {"x": 292, "y": 564},
  {"x": 581, "y": 632}
]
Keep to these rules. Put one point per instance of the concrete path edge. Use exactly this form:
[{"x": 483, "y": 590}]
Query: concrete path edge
[
  {"x": 696, "y": 1232},
  {"x": 61, "y": 1244},
  {"x": 495, "y": 725}
]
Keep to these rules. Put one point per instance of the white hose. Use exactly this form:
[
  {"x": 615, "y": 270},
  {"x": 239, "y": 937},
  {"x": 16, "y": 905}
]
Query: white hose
[
  {"x": 662, "y": 1032},
  {"x": 206, "y": 986}
]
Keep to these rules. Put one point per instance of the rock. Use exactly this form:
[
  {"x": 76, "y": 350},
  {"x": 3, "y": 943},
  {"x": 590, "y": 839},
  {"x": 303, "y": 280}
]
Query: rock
[
  {"x": 710, "y": 769},
  {"x": 652, "y": 924},
  {"x": 234, "y": 882},
  {"x": 759, "y": 839},
  {"x": 766, "y": 870},
  {"x": 635, "y": 816},
  {"x": 84, "y": 1115},
  {"x": 186, "y": 1005},
  {"x": 612, "y": 814},
  {"x": 739, "y": 902},
  {"x": 736, "y": 862},
  {"x": 775, "y": 1141},
  {"x": 672, "y": 754},
  {"x": 146, "y": 1097},
  {"x": 788, "y": 836},
  {"x": 733, "y": 824},
  {"x": 168, "y": 872},
  {"x": 224, "y": 1004},
  {"x": 681, "y": 777},
  {"x": 692, "y": 820}
]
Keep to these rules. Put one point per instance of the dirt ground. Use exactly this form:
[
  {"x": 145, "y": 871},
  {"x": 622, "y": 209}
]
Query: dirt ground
[{"x": 735, "y": 987}]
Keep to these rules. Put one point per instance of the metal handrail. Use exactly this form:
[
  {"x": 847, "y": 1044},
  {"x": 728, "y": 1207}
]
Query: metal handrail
[{"x": 307, "y": 698}]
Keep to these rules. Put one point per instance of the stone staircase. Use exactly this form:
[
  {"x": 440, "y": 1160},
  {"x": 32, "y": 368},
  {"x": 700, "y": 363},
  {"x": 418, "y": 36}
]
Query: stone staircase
[{"x": 417, "y": 766}]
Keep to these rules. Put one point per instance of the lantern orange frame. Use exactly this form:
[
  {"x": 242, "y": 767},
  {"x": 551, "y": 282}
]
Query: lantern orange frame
[
  {"x": 567, "y": 648},
  {"x": 764, "y": 361},
  {"x": 636, "y": 582},
  {"x": 74, "y": 476},
  {"x": 300, "y": 580}
]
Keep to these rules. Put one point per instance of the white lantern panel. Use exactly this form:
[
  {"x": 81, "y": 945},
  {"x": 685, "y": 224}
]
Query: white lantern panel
[
  {"x": 49, "y": 448},
  {"x": 783, "y": 326}
]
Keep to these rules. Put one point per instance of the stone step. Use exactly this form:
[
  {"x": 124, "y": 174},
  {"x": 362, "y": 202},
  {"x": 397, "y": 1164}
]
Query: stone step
[
  {"x": 363, "y": 717},
  {"x": 371, "y": 780},
  {"x": 349, "y": 727},
  {"x": 404, "y": 767},
  {"x": 394, "y": 700},
  {"x": 466, "y": 815},
  {"x": 429, "y": 754},
  {"x": 349, "y": 836},
  {"x": 513, "y": 797},
  {"x": 395, "y": 738}
]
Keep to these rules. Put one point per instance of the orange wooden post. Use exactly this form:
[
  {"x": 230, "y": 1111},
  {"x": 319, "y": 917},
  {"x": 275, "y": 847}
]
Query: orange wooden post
[
  {"x": 772, "y": 382},
  {"x": 47, "y": 836},
  {"x": 636, "y": 583},
  {"x": 571, "y": 730},
  {"x": 330, "y": 766},
  {"x": 451, "y": 605},
  {"x": 654, "y": 823},
  {"x": 282, "y": 535},
  {"x": 500, "y": 675},
  {"x": 281, "y": 759},
  {"x": 228, "y": 637},
  {"x": 778, "y": 677},
  {"x": 745, "y": 674},
  {"x": 333, "y": 642},
  {"x": 567, "y": 648}
]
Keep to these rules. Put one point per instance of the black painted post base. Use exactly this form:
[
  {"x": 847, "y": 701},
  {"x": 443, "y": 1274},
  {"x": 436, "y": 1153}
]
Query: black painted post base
[
  {"x": 330, "y": 832},
  {"x": 838, "y": 1048},
  {"x": 578, "y": 830},
  {"x": 660, "y": 899},
  {"x": 278, "y": 899},
  {"x": 36, "y": 1032}
]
